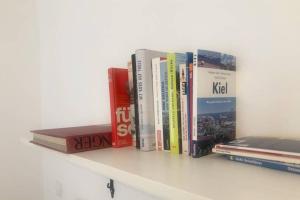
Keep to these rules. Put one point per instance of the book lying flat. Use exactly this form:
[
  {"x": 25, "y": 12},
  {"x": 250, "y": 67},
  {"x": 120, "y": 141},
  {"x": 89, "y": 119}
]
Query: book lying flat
[
  {"x": 74, "y": 139},
  {"x": 265, "y": 145},
  {"x": 282, "y": 166}
]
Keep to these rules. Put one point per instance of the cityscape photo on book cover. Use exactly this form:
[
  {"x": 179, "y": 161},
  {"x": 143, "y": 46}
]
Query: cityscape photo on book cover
[{"x": 215, "y": 100}]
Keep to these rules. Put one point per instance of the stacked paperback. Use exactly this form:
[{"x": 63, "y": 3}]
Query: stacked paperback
[
  {"x": 269, "y": 152},
  {"x": 178, "y": 102}
]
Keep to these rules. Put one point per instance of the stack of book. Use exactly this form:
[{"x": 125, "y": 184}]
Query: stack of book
[
  {"x": 180, "y": 102},
  {"x": 269, "y": 152}
]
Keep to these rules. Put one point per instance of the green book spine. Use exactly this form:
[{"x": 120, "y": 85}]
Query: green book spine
[{"x": 173, "y": 118}]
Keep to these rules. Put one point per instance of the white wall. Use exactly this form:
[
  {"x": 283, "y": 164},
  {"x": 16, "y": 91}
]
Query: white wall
[
  {"x": 80, "y": 39},
  {"x": 20, "y": 169}
]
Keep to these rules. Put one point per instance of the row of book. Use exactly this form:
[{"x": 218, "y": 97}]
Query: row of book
[
  {"x": 179, "y": 102},
  {"x": 269, "y": 152}
]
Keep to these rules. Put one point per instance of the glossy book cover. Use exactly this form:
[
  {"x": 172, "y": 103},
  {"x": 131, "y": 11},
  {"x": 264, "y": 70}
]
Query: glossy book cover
[
  {"x": 120, "y": 107},
  {"x": 214, "y": 100}
]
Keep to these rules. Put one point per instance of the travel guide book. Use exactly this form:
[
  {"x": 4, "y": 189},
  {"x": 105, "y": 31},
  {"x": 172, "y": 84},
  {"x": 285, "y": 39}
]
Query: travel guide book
[
  {"x": 214, "y": 100},
  {"x": 74, "y": 139}
]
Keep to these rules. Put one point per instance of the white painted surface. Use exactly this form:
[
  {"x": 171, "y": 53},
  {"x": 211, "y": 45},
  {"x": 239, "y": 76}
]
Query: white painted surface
[
  {"x": 20, "y": 108},
  {"x": 80, "y": 39},
  {"x": 170, "y": 176}
]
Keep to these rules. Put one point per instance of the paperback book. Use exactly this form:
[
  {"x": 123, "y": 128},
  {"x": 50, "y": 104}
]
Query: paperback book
[
  {"x": 157, "y": 102},
  {"x": 189, "y": 65},
  {"x": 131, "y": 93},
  {"x": 165, "y": 103},
  {"x": 135, "y": 115},
  {"x": 184, "y": 107},
  {"x": 120, "y": 107},
  {"x": 173, "y": 62},
  {"x": 282, "y": 146},
  {"x": 293, "y": 168},
  {"x": 145, "y": 97},
  {"x": 214, "y": 100}
]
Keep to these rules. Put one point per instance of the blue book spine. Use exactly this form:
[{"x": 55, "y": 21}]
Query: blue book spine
[
  {"x": 267, "y": 164},
  {"x": 189, "y": 60}
]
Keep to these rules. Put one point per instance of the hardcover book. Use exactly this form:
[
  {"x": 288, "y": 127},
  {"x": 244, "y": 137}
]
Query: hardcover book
[
  {"x": 132, "y": 112},
  {"x": 157, "y": 102},
  {"x": 293, "y": 168},
  {"x": 214, "y": 100},
  {"x": 173, "y": 62},
  {"x": 120, "y": 107},
  {"x": 74, "y": 139},
  {"x": 145, "y": 97},
  {"x": 135, "y": 101},
  {"x": 165, "y": 103}
]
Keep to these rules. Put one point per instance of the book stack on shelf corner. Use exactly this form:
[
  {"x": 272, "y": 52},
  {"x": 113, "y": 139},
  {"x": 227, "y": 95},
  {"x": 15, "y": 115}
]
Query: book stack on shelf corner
[
  {"x": 179, "y": 102},
  {"x": 269, "y": 152}
]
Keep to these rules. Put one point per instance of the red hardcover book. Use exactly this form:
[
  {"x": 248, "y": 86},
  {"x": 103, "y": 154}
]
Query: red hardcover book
[
  {"x": 74, "y": 139},
  {"x": 120, "y": 107}
]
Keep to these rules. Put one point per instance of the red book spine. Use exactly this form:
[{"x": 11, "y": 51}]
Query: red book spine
[
  {"x": 120, "y": 107},
  {"x": 88, "y": 142}
]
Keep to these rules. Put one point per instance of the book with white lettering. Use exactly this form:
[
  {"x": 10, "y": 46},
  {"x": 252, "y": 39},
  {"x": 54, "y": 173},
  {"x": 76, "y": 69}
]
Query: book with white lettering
[
  {"x": 214, "y": 100},
  {"x": 184, "y": 107},
  {"x": 282, "y": 166}
]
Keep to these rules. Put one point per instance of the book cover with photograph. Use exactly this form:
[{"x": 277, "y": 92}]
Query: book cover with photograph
[{"x": 214, "y": 100}]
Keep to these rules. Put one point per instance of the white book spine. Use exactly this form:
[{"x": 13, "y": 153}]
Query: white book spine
[
  {"x": 145, "y": 97},
  {"x": 183, "y": 107},
  {"x": 157, "y": 103}
]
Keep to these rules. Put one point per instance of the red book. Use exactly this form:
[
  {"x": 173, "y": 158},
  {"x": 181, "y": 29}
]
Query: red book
[
  {"x": 74, "y": 139},
  {"x": 120, "y": 107}
]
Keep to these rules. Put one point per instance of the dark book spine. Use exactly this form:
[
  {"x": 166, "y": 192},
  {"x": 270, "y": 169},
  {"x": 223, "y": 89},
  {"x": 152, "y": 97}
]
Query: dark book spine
[
  {"x": 178, "y": 105},
  {"x": 88, "y": 142},
  {"x": 135, "y": 99},
  {"x": 165, "y": 104},
  {"x": 267, "y": 164},
  {"x": 189, "y": 66}
]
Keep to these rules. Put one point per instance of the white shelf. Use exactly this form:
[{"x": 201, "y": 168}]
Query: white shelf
[{"x": 180, "y": 177}]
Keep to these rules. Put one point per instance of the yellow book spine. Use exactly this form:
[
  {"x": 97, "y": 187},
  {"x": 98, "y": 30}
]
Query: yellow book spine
[{"x": 173, "y": 118}]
